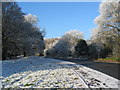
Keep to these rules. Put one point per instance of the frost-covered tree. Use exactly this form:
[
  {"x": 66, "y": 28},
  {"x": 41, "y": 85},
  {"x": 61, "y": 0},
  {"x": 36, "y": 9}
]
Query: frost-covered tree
[
  {"x": 107, "y": 31},
  {"x": 109, "y": 18},
  {"x": 12, "y": 21},
  {"x": 35, "y": 36},
  {"x": 19, "y": 33},
  {"x": 50, "y": 42},
  {"x": 72, "y": 37},
  {"x": 64, "y": 47},
  {"x": 60, "y": 49},
  {"x": 31, "y": 18},
  {"x": 76, "y": 34}
]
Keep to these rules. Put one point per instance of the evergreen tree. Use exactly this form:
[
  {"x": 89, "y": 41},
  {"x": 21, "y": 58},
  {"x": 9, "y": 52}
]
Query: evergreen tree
[{"x": 81, "y": 48}]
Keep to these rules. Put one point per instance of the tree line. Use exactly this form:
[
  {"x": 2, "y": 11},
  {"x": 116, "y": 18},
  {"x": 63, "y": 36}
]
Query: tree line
[
  {"x": 21, "y": 35},
  {"x": 106, "y": 36},
  {"x": 105, "y": 39}
]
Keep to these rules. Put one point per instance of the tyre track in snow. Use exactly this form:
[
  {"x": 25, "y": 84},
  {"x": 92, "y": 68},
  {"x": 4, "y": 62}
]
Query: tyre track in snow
[
  {"x": 78, "y": 75},
  {"x": 93, "y": 78},
  {"x": 81, "y": 78},
  {"x": 87, "y": 77}
]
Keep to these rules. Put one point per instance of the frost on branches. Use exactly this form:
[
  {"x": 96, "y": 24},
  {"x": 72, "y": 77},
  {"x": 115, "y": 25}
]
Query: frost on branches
[
  {"x": 107, "y": 32},
  {"x": 64, "y": 46}
]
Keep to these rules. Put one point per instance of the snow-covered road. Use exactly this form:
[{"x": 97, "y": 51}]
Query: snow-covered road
[{"x": 38, "y": 72}]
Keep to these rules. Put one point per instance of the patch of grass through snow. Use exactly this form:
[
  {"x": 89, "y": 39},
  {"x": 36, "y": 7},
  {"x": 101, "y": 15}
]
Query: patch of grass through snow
[
  {"x": 29, "y": 84},
  {"x": 113, "y": 59}
]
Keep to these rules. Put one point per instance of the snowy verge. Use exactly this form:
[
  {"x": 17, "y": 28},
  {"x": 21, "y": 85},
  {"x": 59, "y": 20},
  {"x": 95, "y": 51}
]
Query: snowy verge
[{"x": 37, "y": 72}]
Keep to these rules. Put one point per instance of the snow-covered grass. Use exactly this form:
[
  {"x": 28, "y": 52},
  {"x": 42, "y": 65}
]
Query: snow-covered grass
[{"x": 38, "y": 72}]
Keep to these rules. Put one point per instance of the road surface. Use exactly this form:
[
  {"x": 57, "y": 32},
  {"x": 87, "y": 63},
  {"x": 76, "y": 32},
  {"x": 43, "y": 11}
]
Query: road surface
[{"x": 112, "y": 69}]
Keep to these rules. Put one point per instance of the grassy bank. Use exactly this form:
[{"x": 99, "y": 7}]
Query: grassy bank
[{"x": 109, "y": 59}]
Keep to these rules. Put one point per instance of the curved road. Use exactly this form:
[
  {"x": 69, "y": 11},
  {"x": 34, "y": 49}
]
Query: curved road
[{"x": 112, "y": 69}]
